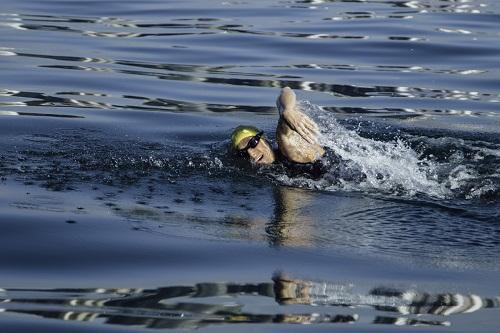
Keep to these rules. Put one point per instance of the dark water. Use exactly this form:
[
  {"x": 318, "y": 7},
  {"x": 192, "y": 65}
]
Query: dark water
[{"x": 121, "y": 208}]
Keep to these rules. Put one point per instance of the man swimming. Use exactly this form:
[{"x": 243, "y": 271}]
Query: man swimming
[{"x": 296, "y": 134}]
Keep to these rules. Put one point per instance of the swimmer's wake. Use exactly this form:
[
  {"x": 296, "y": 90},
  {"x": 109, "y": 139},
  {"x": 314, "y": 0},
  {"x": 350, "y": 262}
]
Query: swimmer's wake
[{"x": 390, "y": 167}]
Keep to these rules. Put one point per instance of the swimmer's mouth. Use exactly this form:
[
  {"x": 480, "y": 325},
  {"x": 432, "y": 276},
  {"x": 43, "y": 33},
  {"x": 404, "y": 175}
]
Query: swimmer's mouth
[{"x": 260, "y": 158}]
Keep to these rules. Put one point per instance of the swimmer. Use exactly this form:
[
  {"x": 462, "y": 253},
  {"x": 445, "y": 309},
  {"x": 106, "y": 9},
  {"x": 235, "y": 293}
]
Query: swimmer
[{"x": 296, "y": 134}]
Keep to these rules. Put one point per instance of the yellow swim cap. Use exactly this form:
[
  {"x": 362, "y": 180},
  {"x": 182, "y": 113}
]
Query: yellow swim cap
[{"x": 242, "y": 132}]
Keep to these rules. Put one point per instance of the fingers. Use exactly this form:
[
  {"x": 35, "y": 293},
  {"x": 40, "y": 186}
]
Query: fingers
[
  {"x": 307, "y": 122},
  {"x": 311, "y": 124},
  {"x": 307, "y": 134},
  {"x": 303, "y": 125},
  {"x": 308, "y": 129}
]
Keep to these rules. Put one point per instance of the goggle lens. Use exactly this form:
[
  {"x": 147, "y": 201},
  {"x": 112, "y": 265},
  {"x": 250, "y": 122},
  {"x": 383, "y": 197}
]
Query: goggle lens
[{"x": 252, "y": 143}]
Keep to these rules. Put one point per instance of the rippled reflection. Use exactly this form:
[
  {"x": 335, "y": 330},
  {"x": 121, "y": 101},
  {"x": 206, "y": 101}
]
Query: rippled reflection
[
  {"x": 37, "y": 114},
  {"x": 318, "y": 30},
  {"x": 211, "y": 303},
  {"x": 29, "y": 22},
  {"x": 248, "y": 76},
  {"x": 211, "y": 75},
  {"x": 453, "y": 6},
  {"x": 26, "y": 22},
  {"x": 411, "y": 60},
  {"x": 162, "y": 104},
  {"x": 40, "y": 99},
  {"x": 418, "y": 6},
  {"x": 199, "y": 27}
]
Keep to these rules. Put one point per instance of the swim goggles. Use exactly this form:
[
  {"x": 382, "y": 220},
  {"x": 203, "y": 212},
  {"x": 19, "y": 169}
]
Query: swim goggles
[{"x": 252, "y": 143}]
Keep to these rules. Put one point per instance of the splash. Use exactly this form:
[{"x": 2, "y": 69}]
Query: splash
[
  {"x": 365, "y": 164},
  {"x": 360, "y": 159},
  {"x": 396, "y": 166}
]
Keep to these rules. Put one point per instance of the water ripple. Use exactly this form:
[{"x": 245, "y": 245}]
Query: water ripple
[
  {"x": 211, "y": 303},
  {"x": 126, "y": 108}
]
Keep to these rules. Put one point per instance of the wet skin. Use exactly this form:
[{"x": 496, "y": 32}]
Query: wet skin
[
  {"x": 296, "y": 133},
  {"x": 261, "y": 154}
]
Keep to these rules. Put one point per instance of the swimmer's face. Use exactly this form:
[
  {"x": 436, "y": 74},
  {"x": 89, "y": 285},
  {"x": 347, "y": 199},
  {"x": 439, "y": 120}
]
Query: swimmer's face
[{"x": 262, "y": 153}]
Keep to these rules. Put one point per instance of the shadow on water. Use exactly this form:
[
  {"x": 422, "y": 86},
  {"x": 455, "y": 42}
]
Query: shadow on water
[{"x": 204, "y": 304}]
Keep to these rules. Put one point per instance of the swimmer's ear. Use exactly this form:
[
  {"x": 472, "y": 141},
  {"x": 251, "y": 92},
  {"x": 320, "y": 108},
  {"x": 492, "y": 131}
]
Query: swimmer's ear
[{"x": 286, "y": 100}]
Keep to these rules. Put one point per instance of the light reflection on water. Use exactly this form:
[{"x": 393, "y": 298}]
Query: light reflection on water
[
  {"x": 123, "y": 110},
  {"x": 204, "y": 304},
  {"x": 289, "y": 71}
]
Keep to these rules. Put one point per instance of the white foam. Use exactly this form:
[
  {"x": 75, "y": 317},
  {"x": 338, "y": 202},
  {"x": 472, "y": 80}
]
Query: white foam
[
  {"x": 388, "y": 166},
  {"x": 362, "y": 163}
]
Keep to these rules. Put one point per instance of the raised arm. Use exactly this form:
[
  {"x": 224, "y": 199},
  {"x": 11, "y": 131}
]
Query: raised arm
[
  {"x": 297, "y": 134},
  {"x": 296, "y": 119}
]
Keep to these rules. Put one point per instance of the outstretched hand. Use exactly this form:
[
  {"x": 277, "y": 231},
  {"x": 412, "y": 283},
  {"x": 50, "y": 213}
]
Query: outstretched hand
[{"x": 302, "y": 124}]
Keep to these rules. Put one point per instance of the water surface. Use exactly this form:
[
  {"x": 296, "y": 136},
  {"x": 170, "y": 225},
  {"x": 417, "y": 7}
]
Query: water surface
[{"x": 121, "y": 206}]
